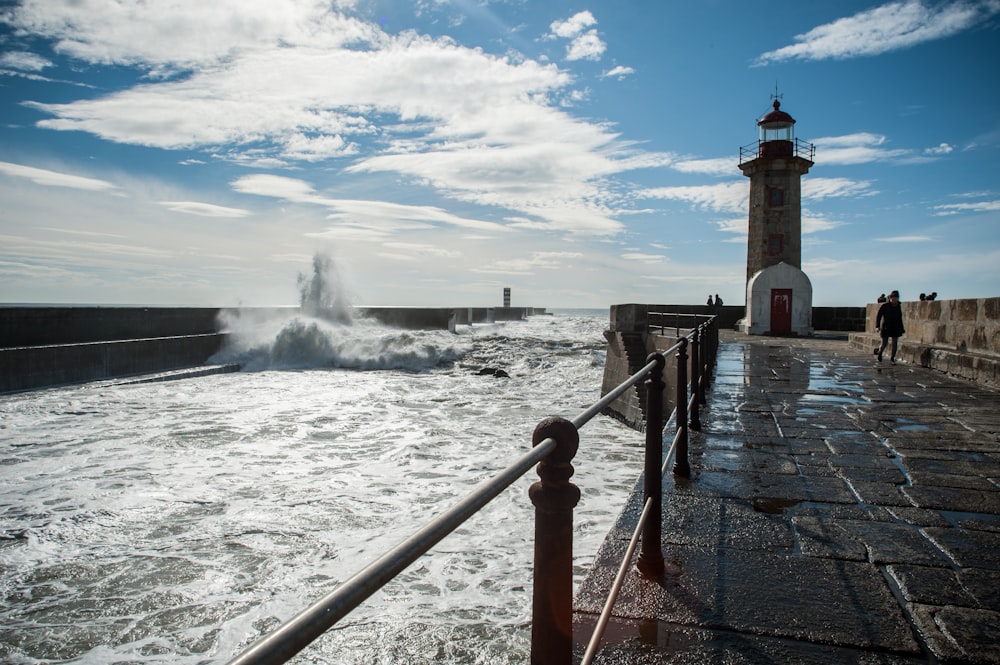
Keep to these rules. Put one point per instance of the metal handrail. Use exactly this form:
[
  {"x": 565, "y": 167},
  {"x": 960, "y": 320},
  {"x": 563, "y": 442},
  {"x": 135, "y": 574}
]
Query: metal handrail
[
  {"x": 616, "y": 587},
  {"x": 302, "y": 629},
  {"x": 800, "y": 148},
  {"x": 700, "y": 372}
]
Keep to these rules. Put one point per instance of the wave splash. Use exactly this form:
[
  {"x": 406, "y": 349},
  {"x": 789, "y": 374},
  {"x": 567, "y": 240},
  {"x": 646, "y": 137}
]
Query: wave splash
[{"x": 323, "y": 333}]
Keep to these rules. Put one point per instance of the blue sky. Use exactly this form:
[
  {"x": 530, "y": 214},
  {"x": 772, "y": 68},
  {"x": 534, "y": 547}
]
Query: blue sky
[{"x": 581, "y": 153}]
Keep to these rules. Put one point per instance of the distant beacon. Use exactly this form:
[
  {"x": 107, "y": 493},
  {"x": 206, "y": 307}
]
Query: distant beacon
[{"x": 778, "y": 293}]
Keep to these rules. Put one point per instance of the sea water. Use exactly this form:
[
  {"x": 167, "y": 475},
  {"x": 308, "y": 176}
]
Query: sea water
[{"x": 179, "y": 521}]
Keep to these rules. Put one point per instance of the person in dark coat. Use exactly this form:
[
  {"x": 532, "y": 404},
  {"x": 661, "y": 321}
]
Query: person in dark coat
[{"x": 889, "y": 324}]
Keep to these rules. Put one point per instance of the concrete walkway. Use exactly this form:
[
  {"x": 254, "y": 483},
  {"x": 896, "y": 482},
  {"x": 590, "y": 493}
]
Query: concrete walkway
[{"x": 838, "y": 512}]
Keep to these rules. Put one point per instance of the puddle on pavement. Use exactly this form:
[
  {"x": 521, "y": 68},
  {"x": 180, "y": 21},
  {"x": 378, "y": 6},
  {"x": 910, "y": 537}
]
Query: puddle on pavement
[
  {"x": 808, "y": 412},
  {"x": 724, "y": 459},
  {"x": 773, "y": 505},
  {"x": 827, "y": 383},
  {"x": 907, "y": 425},
  {"x": 819, "y": 398}
]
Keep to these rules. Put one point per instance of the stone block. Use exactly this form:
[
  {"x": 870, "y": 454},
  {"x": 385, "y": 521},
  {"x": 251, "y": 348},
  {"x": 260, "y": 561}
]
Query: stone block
[
  {"x": 965, "y": 309},
  {"x": 762, "y": 594}
]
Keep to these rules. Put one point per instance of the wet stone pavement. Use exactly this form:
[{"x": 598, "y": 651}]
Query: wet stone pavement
[{"x": 838, "y": 512}]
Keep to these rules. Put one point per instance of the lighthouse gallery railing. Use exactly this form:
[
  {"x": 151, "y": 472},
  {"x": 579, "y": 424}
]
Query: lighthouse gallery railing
[{"x": 555, "y": 442}]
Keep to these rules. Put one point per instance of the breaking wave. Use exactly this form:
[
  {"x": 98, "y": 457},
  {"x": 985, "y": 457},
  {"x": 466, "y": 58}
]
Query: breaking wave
[
  {"x": 323, "y": 332},
  {"x": 288, "y": 339}
]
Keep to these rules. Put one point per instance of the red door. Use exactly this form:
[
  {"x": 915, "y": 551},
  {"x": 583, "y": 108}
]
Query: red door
[{"x": 781, "y": 310}]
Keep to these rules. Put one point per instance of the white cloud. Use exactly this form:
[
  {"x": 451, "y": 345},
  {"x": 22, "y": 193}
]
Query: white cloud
[
  {"x": 723, "y": 197},
  {"x": 619, "y": 72},
  {"x": 54, "y": 178},
  {"x": 587, "y": 46},
  {"x": 714, "y": 166},
  {"x": 813, "y": 224},
  {"x": 737, "y": 226},
  {"x": 478, "y": 128},
  {"x": 290, "y": 189},
  {"x": 204, "y": 209},
  {"x": 584, "y": 44},
  {"x": 905, "y": 239},
  {"x": 826, "y": 188},
  {"x": 24, "y": 61},
  {"x": 860, "y": 148},
  {"x": 359, "y": 213},
  {"x": 956, "y": 208},
  {"x": 186, "y": 34},
  {"x": 940, "y": 149},
  {"x": 573, "y": 26},
  {"x": 643, "y": 258},
  {"x": 890, "y": 27}
]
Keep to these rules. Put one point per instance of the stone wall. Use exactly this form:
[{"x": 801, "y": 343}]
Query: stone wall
[
  {"x": 630, "y": 343},
  {"x": 32, "y": 367},
  {"x": 959, "y": 337},
  {"x": 35, "y": 326},
  {"x": 846, "y": 319}
]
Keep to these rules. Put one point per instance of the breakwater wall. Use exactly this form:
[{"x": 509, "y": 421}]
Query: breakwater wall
[
  {"x": 47, "y": 345},
  {"x": 844, "y": 319},
  {"x": 959, "y": 337},
  {"x": 634, "y": 332}
]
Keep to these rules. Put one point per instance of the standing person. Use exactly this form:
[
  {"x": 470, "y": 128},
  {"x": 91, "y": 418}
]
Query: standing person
[
  {"x": 889, "y": 324},
  {"x": 718, "y": 305}
]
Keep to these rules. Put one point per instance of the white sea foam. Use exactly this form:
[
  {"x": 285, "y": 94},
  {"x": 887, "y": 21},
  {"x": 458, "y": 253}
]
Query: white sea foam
[
  {"x": 323, "y": 332},
  {"x": 288, "y": 339},
  {"x": 176, "y": 522}
]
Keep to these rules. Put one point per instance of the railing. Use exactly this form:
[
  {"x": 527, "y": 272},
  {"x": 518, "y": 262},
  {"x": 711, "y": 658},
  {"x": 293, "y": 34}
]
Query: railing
[
  {"x": 798, "y": 148},
  {"x": 555, "y": 442}
]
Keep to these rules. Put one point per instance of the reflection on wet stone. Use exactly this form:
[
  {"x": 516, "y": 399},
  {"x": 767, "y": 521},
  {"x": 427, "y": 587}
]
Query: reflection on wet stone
[{"x": 835, "y": 513}]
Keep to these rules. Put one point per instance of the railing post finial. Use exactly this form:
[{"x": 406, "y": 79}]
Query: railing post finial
[{"x": 554, "y": 498}]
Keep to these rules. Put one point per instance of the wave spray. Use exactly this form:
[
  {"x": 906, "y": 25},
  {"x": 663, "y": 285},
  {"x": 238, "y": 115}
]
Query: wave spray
[
  {"x": 321, "y": 294},
  {"x": 322, "y": 332}
]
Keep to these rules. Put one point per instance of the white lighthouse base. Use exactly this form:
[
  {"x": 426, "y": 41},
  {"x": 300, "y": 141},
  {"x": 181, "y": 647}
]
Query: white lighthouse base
[{"x": 779, "y": 302}]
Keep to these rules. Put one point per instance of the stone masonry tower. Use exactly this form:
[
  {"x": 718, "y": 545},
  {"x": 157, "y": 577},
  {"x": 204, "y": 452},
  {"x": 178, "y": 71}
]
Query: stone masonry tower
[{"x": 775, "y": 165}]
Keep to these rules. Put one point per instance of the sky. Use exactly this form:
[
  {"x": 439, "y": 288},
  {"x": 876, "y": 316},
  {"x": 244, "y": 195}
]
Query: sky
[{"x": 584, "y": 154}]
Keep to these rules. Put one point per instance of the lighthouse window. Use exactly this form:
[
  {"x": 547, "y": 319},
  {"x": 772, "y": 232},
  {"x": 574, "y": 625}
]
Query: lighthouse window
[
  {"x": 775, "y": 244},
  {"x": 775, "y": 197}
]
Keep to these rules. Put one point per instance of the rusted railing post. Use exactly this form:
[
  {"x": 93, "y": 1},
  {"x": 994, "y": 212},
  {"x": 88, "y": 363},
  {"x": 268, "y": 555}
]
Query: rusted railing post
[
  {"x": 703, "y": 345},
  {"x": 708, "y": 353},
  {"x": 650, "y": 561},
  {"x": 694, "y": 421},
  {"x": 681, "y": 467},
  {"x": 554, "y": 498}
]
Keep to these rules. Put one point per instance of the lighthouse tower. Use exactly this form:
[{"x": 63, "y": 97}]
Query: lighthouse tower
[{"x": 779, "y": 295}]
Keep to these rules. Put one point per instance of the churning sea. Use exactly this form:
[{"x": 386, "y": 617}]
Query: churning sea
[{"x": 178, "y": 521}]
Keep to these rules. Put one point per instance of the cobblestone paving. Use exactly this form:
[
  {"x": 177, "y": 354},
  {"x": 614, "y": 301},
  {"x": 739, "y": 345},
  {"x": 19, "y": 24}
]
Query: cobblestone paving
[{"x": 839, "y": 511}]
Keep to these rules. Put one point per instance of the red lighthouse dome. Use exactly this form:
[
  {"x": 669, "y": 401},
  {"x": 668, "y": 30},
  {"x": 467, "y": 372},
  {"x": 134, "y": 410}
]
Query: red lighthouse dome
[{"x": 777, "y": 133}]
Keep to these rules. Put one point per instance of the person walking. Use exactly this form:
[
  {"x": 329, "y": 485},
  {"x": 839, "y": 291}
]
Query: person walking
[{"x": 889, "y": 324}]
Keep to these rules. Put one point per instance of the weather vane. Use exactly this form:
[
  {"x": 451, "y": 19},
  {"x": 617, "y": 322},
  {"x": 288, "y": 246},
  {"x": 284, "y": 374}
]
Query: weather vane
[{"x": 776, "y": 95}]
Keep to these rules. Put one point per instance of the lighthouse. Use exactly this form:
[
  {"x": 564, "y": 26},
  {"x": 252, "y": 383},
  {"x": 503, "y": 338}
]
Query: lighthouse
[{"x": 778, "y": 293}]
